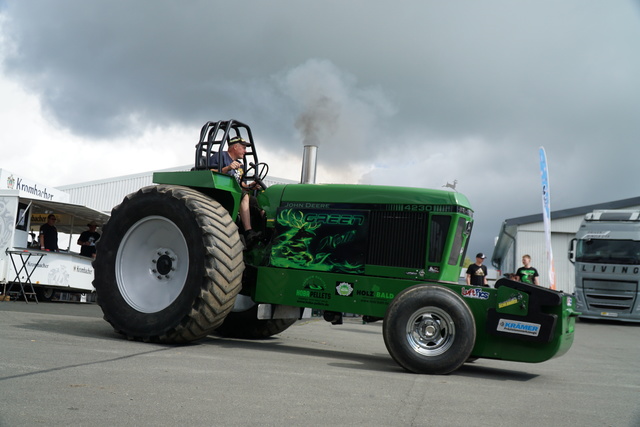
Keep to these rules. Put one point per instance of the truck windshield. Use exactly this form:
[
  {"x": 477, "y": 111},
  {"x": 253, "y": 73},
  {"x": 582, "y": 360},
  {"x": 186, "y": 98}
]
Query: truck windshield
[{"x": 608, "y": 251}]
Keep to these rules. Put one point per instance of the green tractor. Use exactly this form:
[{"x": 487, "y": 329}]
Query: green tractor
[{"x": 173, "y": 265}]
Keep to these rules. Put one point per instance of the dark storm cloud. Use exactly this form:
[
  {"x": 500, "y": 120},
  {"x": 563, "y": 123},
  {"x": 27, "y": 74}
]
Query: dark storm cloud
[
  {"x": 452, "y": 67},
  {"x": 430, "y": 91},
  {"x": 105, "y": 68},
  {"x": 99, "y": 65}
]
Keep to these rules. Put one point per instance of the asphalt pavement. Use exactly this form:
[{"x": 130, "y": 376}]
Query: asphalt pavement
[{"x": 62, "y": 365}]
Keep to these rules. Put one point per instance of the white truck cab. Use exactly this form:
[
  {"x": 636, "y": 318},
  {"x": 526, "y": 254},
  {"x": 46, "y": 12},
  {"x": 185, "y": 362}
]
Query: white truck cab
[{"x": 606, "y": 255}]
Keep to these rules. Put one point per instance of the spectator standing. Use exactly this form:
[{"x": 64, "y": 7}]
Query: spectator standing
[
  {"x": 88, "y": 239},
  {"x": 526, "y": 273},
  {"x": 49, "y": 234},
  {"x": 477, "y": 272}
]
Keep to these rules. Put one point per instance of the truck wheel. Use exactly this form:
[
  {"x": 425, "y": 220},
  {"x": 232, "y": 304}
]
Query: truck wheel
[
  {"x": 168, "y": 266},
  {"x": 246, "y": 325},
  {"x": 45, "y": 294},
  {"x": 429, "y": 329}
]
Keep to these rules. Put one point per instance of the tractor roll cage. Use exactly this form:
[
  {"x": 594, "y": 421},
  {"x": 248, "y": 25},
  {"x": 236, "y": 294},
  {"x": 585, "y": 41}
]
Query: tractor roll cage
[{"x": 214, "y": 137}]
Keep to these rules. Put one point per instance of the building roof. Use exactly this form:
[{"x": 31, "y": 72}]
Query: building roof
[
  {"x": 510, "y": 226},
  {"x": 582, "y": 210}
]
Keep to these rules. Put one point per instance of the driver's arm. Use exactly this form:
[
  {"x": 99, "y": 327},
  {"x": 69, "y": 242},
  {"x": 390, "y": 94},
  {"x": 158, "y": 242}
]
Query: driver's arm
[{"x": 253, "y": 186}]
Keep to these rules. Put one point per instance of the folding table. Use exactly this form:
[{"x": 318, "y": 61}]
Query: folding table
[{"x": 22, "y": 257}]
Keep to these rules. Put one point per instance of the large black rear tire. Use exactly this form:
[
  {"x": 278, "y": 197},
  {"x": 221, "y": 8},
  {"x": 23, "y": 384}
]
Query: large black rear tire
[
  {"x": 429, "y": 329},
  {"x": 168, "y": 265}
]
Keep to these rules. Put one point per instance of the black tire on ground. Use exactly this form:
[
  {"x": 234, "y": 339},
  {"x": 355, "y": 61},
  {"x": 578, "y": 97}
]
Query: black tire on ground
[
  {"x": 45, "y": 294},
  {"x": 429, "y": 329},
  {"x": 245, "y": 324},
  {"x": 168, "y": 266}
]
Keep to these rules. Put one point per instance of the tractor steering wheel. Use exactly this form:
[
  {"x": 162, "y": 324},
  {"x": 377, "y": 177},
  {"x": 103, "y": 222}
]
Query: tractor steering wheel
[{"x": 256, "y": 173}]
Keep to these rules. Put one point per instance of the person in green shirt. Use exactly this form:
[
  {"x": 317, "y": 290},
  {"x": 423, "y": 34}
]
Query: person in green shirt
[{"x": 526, "y": 273}]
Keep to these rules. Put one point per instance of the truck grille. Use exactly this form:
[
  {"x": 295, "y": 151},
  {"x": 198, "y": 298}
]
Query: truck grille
[
  {"x": 397, "y": 239},
  {"x": 610, "y": 295}
]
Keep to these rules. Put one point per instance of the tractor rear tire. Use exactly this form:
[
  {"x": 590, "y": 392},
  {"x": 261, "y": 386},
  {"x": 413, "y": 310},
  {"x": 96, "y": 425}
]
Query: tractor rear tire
[
  {"x": 429, "y": 329},
  {"x": 168, "y": 265},
  {"x": 246, "y": 325}
]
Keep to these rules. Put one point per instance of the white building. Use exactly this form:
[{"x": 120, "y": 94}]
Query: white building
[{"x": 525, "y": 235}]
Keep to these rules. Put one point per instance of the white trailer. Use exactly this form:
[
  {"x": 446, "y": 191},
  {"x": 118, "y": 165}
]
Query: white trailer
[{"x": 23, "y": 208}]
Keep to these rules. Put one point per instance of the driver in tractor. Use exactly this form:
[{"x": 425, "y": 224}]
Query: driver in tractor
[{"x": 233, "y": 166}]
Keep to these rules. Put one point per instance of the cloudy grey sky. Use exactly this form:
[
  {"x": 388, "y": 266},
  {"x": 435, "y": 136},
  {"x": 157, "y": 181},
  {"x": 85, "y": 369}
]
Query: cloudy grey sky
[{"x": 416, "y": 93}]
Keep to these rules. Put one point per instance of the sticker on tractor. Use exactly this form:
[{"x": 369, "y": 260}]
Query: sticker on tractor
[
  {"x": 418, "y": 273},
  {"x": 321, "y": 240},
  {"x": 475, "y": 293},
  {"x": 344, "y": 289},
  {"x": 374, "y": 297},
  {"x": 516, "y": 327},
  {"x": 507, "y": 303},
  {"x": 314, "y": 290}
]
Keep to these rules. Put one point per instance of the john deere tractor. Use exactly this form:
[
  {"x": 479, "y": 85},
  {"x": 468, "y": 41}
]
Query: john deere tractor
[{"x": 173, "y": 265}]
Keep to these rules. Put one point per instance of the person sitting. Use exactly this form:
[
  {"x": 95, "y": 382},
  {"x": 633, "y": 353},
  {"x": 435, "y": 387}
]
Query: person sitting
[{"x": 232, "y": 165}]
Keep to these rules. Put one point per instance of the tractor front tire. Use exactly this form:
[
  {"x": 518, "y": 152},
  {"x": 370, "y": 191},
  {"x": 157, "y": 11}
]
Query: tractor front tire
[
  {"x": 168, "y": 265},
  {"x": 429, "y": 329}
]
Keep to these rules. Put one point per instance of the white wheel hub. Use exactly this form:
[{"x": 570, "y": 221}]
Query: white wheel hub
[{"x": 152, "y": 264}]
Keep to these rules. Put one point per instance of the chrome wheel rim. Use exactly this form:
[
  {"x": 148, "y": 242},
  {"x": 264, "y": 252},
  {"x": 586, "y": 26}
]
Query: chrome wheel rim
[{"x": 430, "y": 331}]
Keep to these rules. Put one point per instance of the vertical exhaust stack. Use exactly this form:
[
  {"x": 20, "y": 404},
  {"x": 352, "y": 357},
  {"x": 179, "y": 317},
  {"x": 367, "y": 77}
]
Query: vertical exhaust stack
[{"x": 309, "y": 160}]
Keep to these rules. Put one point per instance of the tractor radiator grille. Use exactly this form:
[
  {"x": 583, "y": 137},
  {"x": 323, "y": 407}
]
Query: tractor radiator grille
[{"x": 397, "y": 239}]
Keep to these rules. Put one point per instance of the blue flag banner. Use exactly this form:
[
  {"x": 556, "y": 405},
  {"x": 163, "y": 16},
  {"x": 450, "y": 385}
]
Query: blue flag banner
[{"x": 546, "y": 215}]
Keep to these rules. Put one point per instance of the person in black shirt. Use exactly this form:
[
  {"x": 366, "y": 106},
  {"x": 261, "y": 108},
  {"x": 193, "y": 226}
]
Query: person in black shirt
[
  {"x": 49, "y": 234},
  {"x": 477, "y": 273},
  {"x": 88, "y": 239}
]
